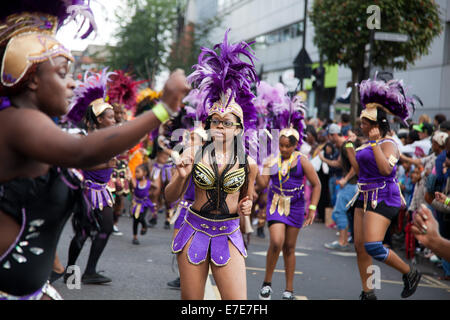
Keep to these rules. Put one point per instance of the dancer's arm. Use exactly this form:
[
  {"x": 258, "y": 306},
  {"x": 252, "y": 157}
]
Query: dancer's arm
[
  {"x": 386, "y": 155},
  {"x": 313, "y": 178},
  {"x": 351, "y": 154},
  {"x": 426, "y": 231},
  {"x": 263, "y": 178},
  {"x": 34, "y": 135},
  {"x": 175, "y": 188},
  {"x": 246, "y": 203}
]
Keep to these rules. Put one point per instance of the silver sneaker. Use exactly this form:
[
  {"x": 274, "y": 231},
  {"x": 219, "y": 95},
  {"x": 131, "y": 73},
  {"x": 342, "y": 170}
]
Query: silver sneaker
[
  {"x": 335, "y": 245},
  {"x": 287, "y": 295},
  {"x": 265, "y": 293}
]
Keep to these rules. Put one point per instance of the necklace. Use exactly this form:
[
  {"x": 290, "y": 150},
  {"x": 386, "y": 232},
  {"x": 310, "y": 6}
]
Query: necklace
[{"x": 283, "y": 171}]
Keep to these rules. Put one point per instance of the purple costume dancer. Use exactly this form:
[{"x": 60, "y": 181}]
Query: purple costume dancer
[
  {"x": 141, "y": 200},
  {"x": 227, "y": 91},
  {"x": 286, "y": 203}
]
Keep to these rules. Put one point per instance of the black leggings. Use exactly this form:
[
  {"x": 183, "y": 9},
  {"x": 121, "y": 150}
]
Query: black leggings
[
  {"x": 140, "y": 220},
  {"x": 99, "y": 241}
]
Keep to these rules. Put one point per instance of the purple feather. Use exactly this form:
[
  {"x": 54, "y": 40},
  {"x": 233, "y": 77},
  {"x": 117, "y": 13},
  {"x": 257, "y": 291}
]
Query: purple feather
[
  {"x": 222, "y": 73},
  {"x": 62, "y": 9},
  {"x": 92, "y": 88},
  {"x": 195, "y": 99},
  {"x": 391, "y": 95}
]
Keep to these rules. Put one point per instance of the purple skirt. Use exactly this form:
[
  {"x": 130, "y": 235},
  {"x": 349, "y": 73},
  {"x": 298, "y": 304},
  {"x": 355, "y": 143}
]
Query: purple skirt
[
  {"x": 98, "y": 195},
  {"x": 139, "y": 206},
  {"x": 288, "y": 209},
  {"x": 208, "y": 236},
  {"x": 180, "y": 213}
]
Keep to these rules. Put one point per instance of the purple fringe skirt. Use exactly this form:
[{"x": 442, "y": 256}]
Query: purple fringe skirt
[
  {"x": 208, "y": 236},
  {"x": 98, "y": 195}
]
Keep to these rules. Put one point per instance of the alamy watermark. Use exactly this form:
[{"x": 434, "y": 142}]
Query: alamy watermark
[
  {"x": 74, "y": 280},
  {"x": 374, "y": 280},
  {"x": 374, "y": 20}
]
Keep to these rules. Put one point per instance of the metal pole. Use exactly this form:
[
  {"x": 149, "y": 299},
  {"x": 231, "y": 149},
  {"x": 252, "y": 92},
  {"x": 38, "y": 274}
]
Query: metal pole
[
  {"x": 372, "y": 42},
  {"x": 305, "y": 16}
]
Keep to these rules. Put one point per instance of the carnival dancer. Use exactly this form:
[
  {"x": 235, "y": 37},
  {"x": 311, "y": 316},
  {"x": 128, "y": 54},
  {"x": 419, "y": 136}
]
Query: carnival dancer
[
  {"x": 379, "y": 197},
  {"x": 223, "y": 174},
  {"x": 36, "y": 199},
  {"x": 285, "y": 211},
  {"x": 141, "y": 200},
  {"x": 99, "y": 115}
]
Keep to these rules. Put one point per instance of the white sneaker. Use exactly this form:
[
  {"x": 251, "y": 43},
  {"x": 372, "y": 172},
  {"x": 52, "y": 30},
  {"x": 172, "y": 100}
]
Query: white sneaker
[
  {"x": 116, "y": 231},
  {"x": 287, "y": 295},
  {"x": 265, "y": 293}
]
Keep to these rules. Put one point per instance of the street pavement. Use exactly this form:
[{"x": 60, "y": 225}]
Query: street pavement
[{"x": 141, "y": 272}]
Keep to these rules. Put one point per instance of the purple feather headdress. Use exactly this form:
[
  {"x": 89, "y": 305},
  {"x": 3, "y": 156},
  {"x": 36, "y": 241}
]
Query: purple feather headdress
[
  {"x": 225, "y": 77},
  {"x": 92, "y": 88},
  {"x": 63, "y": 10},
  {"x": 390, "y": 95},
  {"x": 195, "y": 106},
  {"x": 290, "y": 118}
]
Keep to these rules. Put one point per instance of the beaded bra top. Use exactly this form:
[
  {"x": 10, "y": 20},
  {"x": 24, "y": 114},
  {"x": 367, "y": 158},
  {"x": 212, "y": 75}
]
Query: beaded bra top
[{"x": 218, "y": 186}]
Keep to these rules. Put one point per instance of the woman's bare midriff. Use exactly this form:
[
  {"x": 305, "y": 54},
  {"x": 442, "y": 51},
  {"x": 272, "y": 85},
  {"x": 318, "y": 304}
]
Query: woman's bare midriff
[{"x": 9, "y": 229}]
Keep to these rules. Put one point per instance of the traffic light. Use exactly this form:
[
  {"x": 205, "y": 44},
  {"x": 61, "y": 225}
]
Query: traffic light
[{"x": 319, "y": 75}]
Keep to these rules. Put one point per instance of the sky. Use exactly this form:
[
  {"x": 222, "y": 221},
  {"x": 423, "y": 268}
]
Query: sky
[{"x": 105, "y": 19}]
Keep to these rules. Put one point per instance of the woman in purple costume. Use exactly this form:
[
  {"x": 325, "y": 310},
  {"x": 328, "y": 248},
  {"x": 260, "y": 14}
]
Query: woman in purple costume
[
  {"x": 379, "y": 198},
  {"x": 100, "y": 221},
  {"x": 141, "y": 200},
  {"x": 223, "y": 175},
  {"x": 285, "y": 211}
]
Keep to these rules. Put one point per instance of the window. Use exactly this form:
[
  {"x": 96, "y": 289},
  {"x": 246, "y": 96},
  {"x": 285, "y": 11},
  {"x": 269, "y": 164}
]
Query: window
[{"x": 278, "y": 36}]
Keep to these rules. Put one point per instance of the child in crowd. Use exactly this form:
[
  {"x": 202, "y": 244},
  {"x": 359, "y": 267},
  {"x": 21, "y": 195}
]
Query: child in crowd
[{"x": 141, "y": 200}]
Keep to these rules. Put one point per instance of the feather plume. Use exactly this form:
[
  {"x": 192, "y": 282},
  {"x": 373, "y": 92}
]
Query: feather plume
[{"x": 92, "y": 88}]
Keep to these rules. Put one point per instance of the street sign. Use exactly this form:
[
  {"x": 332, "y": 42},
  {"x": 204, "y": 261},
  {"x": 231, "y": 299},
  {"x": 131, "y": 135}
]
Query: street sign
[
  {"x": 302, "y": 65},
  {"x": 394, "y": 37}
]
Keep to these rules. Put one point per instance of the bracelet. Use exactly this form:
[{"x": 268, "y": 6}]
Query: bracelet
[
  {"x": 349, "y": 145},
  {"x": 447, "y": 201},
  {"x": 312, "y": 207},
  {"x": 161, "y": 113}
]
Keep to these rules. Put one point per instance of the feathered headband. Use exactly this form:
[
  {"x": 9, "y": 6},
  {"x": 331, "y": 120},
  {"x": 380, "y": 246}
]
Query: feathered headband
[
  {"x": 27, "y": 30},
  {"x": 226, "y": 80},
  {"x": 92, "y": 91},
  {"x": 291, "y": 118},
  {"x": 387, "y": 95}
]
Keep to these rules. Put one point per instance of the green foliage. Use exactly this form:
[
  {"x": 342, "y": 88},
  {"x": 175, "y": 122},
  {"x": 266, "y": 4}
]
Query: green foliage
[
  {"x": 187, "y": 48},
  {"x": 144, "y": 37},
  {"x": 341, "y": 32}
]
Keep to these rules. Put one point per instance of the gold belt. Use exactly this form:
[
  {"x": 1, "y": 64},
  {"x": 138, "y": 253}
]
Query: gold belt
[
  {"x": 282, "y": 201},
  {"x": 374, "y": 201}
]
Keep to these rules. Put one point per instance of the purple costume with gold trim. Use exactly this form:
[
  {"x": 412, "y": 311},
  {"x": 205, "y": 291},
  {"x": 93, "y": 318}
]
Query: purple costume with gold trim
[
  {"x": 373, "y": 187},
  {"x": 95, "y": 188},
  {"x": 141, "y": 200},
  {"x": 287, "y": 205}
]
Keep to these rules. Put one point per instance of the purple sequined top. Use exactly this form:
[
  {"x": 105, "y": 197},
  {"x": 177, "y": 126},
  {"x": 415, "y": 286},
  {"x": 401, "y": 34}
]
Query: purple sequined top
[{"x": 295, "y": 178}]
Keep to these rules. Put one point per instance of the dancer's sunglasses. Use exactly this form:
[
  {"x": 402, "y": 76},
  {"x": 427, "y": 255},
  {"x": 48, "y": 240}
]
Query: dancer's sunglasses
[{"x": 226, "y": 123}]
